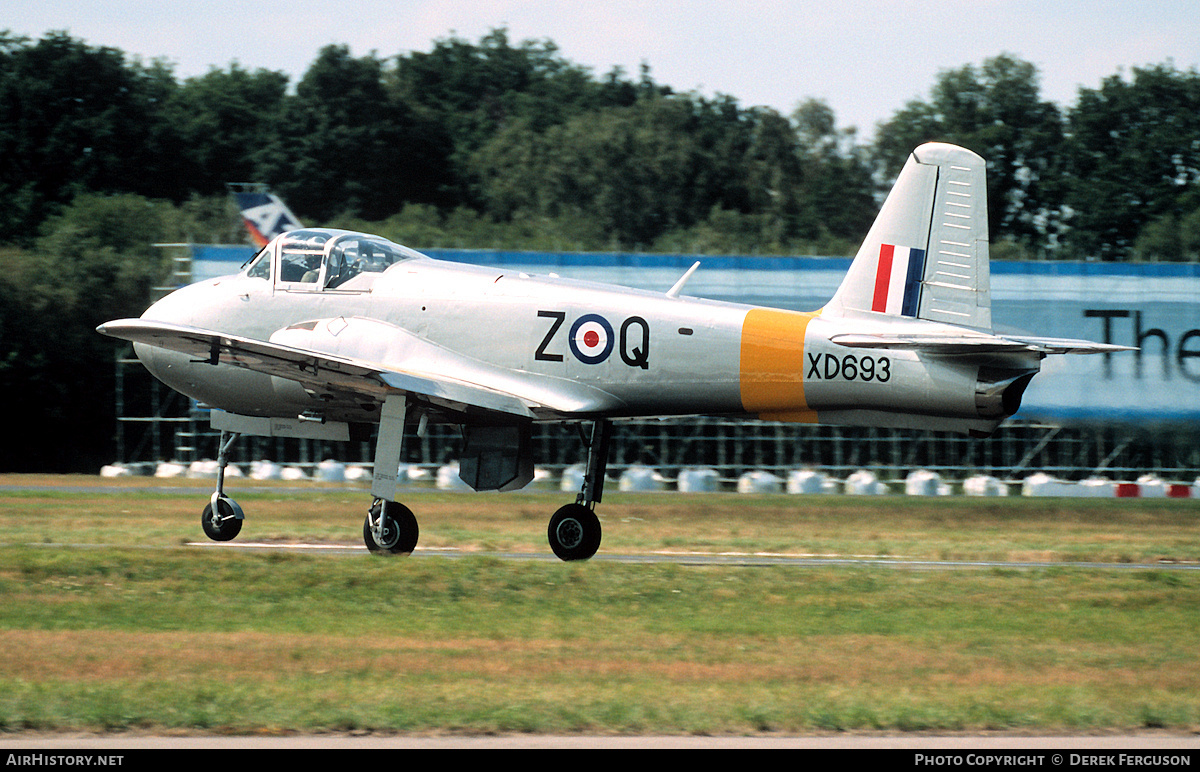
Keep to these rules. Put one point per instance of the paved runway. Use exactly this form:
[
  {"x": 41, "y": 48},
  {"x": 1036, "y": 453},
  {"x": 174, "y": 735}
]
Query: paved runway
[
  {"x": 673, "y": 557},
  {"x": 701, "y": 558}
]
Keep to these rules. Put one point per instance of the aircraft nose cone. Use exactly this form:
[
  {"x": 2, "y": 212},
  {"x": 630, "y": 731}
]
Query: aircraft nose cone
[{"x": 145, "y": 355}]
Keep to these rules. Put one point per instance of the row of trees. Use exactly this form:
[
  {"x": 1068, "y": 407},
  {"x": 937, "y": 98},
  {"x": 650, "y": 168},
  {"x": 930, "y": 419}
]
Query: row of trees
[
  {"x": 491, "y": 144},
  {"x": 496, "y": 141}
]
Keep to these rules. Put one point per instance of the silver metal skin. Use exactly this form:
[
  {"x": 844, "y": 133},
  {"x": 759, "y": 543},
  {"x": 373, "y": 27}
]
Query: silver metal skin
[{"x": 326, "y": 333}]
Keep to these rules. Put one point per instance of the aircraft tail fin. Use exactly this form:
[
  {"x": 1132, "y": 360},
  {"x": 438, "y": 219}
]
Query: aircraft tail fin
[
  {"x": 926, "y": 255},
  {"x": 264, "y": 213}
]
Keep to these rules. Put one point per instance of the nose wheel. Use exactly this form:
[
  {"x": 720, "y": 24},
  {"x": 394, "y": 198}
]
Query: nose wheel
[{"x": 222, "y": 517}]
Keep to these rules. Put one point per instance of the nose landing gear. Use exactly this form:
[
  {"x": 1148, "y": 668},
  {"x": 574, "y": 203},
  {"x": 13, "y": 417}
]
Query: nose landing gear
[{"x": 222, "y": 517}]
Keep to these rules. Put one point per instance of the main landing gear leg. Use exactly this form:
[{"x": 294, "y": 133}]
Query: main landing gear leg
[
  {"x": 222, "y": 517},
  {"x": 574, "y": 530},
  {"x": 390, "y": 526}
]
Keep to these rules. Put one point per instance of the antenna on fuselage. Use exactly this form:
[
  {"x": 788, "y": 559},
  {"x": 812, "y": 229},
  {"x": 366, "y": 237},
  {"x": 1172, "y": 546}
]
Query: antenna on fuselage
[{"x": 674, "y": 291}]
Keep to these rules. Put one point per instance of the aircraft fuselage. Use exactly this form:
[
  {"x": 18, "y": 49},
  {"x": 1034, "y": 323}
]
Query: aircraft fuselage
[{"x": 630, "y": 352}]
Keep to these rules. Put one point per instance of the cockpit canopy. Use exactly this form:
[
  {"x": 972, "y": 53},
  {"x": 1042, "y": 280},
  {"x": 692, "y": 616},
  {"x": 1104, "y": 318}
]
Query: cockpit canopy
[{"x": 325, "y": 258}]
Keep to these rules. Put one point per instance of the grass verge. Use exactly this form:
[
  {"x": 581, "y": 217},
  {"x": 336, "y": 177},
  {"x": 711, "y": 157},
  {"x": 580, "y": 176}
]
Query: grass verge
[{"x": 113, "y": 637}]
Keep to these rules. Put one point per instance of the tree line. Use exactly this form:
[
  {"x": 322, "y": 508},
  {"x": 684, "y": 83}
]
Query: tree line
[
  {"x": 492, "y": 143},
  {"x": 496, "y": 144}
]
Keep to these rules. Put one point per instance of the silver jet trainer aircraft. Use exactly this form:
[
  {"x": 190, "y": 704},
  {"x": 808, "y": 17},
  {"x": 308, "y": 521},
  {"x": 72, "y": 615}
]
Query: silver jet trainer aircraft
[{"x": 329, "y": 334}]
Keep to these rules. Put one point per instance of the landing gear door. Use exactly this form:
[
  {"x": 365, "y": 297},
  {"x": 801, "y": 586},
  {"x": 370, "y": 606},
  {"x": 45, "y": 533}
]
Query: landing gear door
[{"x": 497, "y": 458}]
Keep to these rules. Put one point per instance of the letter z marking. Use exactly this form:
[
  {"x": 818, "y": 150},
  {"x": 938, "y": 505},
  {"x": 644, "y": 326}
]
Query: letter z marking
[{"x": 540, "y": 354}]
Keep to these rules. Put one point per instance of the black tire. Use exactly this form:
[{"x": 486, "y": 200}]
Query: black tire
[
  {"x": 401, "y": 534},
  {"x": 574, "y": 532},
  {"x": 223, "y": 528}
]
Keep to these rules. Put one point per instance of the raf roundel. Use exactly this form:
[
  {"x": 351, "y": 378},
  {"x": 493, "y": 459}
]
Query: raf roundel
[{"x": 591, "y": 339}]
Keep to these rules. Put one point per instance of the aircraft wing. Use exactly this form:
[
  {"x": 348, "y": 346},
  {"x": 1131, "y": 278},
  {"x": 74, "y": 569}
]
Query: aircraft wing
[
  {"x": 967, "y": 343},
  {"x": 325, "y": 371}
]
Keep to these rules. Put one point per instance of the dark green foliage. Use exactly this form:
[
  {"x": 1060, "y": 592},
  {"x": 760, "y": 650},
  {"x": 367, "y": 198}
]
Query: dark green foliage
[
  {"x": 343, "y": 145},
  {"x": 1134, "y": 161},
  {"x": 75, "y": 119},
  {"x": 517, "y": 134},
  {"x": 94, "y": 263},
  {"x": 513, "y": 133},
  {"x": 995, "y": 110},
  {"x": 226, "y": 119},
  {"x": 1084, "y": 183}
]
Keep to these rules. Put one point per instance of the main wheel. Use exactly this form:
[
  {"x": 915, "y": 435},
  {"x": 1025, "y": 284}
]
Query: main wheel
[
  {"x": 574, "y": 532},
  {"x": 400, "y": 531},
  {"x": 222, "y": 524}
]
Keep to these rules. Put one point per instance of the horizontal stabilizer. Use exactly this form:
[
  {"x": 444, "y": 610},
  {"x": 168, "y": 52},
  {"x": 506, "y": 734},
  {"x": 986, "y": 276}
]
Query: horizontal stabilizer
[
  {"x": 973, "y": 343},
  {"x": 1072, "y": 346}
]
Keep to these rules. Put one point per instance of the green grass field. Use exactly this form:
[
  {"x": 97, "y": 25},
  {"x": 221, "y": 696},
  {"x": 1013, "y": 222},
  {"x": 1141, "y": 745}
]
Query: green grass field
[{"x": 137, "y": 630}]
